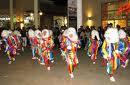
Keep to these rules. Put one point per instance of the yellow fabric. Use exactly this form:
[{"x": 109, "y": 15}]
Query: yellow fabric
[{"x": 104, "y": 49}]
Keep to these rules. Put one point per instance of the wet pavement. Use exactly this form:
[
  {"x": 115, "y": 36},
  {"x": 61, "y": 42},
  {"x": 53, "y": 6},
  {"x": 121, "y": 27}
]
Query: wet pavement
[{"x": 24, "y": 71}]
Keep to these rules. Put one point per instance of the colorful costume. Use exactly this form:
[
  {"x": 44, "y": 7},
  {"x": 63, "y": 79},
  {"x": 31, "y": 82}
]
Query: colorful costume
[
  {"x": 63, "y": 48},
  {"x": 93, "y": 45},
  {"x": 38, "y": 36},
  {"x": 11, "y": 46},
  {"x": 110, "y": 51},
  {"x": 128, "y": 50},
  {"x": 71, "y": 43},
  {"x": 47, "y": 45},
  {"x": 123, "y": 47}
]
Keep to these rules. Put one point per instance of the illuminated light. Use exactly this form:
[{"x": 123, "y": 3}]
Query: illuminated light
[
  {"x": 40, "y": 13},
  {"x": 89, "y": 14},
  {"x": 65, "y": 20},
  {"x": 21, "y": 25},
  {"x": 89, "y": 23},
  {"x": 4, "y": 18},
  {"x": 31, "y": 14},
  {"x": 21, "y": 19}
]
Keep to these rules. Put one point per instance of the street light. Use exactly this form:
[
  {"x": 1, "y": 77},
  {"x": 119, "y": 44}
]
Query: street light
[{"x": 40, "y": 13}]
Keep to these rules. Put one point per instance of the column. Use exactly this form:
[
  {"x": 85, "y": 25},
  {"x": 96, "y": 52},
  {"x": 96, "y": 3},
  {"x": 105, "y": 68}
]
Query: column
[
  {"x": 11, "y": 13},
  {"x": 79, "y": 13},
  {"x": 36, "y": 14}
]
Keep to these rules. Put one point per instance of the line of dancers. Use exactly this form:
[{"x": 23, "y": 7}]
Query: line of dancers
[{"x": 114, "y": 49}]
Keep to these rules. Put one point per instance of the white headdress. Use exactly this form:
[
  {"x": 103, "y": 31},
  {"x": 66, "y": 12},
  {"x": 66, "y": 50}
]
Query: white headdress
[
  {"x": 72, "y": 31},
  {"x": 112, "y": 35},
  {"x": 122, "y": 34},
  {"x": 45, "y": 33},
  {"x": 94, "y": 34},
  {"x": 5, "y": 33},
  {"x": 31, "y": 33},
  {"x": 17, "y": 33},
  {"x": 38, "y": 33}
]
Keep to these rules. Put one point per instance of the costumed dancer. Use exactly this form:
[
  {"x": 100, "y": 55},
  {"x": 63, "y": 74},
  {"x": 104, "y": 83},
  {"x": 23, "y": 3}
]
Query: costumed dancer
[
  {"x": 11, "y": 47},
  {"x": 123, "y": 48},
  {"x": 63, "y": 48},
  {"x": 47, "y": 46},
  {"x": 71, "y": 44},
  {"x": 94, "y": 45},
  {"x": 38, "y": 35},
  {"x": 51, "y": 39},
  {"x": 110, "y": 51},
  {"x": 127, "y": 40},
  {"x": 128, "y": 50},
  {"x": 33, "y": 43}
]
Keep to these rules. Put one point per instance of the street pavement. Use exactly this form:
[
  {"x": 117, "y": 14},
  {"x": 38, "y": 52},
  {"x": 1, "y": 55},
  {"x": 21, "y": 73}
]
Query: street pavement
[{"x": 24, "y": 71}]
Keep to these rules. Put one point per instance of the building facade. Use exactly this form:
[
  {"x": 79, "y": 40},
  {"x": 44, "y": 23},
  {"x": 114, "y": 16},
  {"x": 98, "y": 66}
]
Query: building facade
[
  {"x": 89, "y": 13},
  {"x": 110, "y": 14}
]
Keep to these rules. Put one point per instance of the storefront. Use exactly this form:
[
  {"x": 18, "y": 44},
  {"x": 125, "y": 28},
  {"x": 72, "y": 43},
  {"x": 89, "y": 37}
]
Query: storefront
[{"x": 109, "y": 14}]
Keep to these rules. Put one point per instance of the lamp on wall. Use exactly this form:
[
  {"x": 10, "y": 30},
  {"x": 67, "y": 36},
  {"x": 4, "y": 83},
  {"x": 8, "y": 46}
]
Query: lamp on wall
[
  {"x": 89, "y": 18},
  {"x": 89, "y": 21}
]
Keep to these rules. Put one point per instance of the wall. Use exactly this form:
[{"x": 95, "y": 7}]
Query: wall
[{"x": 92, "y": 12}]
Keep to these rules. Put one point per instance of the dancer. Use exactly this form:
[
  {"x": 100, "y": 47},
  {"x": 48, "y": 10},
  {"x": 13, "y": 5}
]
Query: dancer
[
  {"x": 71, "y": 45},
  {"x": 33, "y": 42},
  {"x": 94, "y": 44},
  {"x": 110, "y": 51},
  {"x": 47, "y": 46},
  {"x": 123, "y": 47},
  {"x": 38, "y": 46},
  {"x": 51, "y": 40},
  {"x": 62, "y": 40},
  {"x": 11, "y": 45}
]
